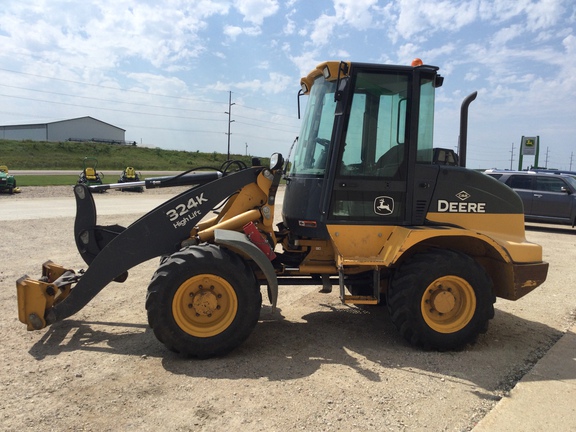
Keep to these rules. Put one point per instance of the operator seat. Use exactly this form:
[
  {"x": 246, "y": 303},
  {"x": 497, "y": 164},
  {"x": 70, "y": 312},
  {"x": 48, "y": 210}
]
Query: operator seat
[
  {"x": 90, "y": 173},
  {"x": 389, "y": 163}
]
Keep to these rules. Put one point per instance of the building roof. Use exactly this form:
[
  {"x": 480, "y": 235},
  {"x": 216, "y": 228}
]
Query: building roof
[{"x": 62, "y": 121}]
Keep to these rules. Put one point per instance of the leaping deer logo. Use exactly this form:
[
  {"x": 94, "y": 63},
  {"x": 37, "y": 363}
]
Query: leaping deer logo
[{"x": 384, "y": 205}]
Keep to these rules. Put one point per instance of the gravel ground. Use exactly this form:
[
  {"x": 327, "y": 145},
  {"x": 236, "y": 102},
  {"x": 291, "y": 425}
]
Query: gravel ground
[{"x": 312, "y": 364}]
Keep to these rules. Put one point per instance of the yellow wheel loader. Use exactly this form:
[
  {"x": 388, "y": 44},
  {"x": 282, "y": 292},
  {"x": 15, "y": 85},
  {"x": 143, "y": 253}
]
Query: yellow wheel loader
[{"x": 370, "y": 207}]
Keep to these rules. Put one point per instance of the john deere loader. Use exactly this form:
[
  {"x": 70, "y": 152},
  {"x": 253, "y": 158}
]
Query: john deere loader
[{"x": 370, "y": 208}]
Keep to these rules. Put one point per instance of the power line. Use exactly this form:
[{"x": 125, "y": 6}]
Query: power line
[
  {"x": 108, "y": 87},
  {"x": 269, "y": 128},
  {"x": 107, "y": 100},
  {"x": 267, "y": 112},
  {"x": 141, "y": 104},
  {"x": 126, "y": 90},
  {"x": 109, "y": 109},
  {"x": 284, "y": 127},
  {"x": 264, "y": 121}
]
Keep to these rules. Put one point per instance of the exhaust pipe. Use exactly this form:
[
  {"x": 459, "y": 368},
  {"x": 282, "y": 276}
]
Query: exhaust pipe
[{"x": 463, "y": 137}]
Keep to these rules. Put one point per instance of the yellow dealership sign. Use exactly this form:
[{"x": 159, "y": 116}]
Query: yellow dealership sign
[{"x": 529, "y": 146}]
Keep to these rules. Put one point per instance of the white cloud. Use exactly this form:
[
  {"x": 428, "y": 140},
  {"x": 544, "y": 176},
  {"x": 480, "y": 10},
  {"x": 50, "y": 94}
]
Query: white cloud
[
  {"x": 275, "y": 84},
  {"x": 232, "y": 31},
  {"x": 417, "y": 17},
  {"x": 159, "y": 84},
  {"x": 357, "y": 14},
  {"x": 105, "y": 33},
  {"x": 506, "y": 34},
  {"x": 471, "y": 76},
  {"x": 342, "y": 54},
  {"x": 255, "y": 11},
  {"x": 252, "y": 31},
  {"x": 306, "y": 61},
  {"x": 543, "y": 14},
  {"x": 290, "y": 26},
  {"x": 519, "y": 55},
  {"x": 323, "y": 28},
  {"x": 499, "y": 11},
  {"x": 409, "y": 51}
]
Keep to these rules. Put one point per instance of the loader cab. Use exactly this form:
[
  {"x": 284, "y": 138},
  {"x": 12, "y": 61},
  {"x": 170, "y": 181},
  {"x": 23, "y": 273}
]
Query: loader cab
[{"x": 364, "y": 130}]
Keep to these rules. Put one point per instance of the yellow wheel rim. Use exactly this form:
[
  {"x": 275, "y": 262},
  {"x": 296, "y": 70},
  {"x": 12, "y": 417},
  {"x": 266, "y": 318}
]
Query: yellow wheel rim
[
  {"x": 204, "y": 305},
  {"x": 448, "y": 304}
]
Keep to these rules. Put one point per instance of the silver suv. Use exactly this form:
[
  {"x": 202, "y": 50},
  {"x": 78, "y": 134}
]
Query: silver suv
[{"x": 547, "y": 197}]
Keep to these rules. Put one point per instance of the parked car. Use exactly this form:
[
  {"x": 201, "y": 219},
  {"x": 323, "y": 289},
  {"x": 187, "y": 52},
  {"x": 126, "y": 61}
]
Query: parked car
[{"x": 547, "y": 197}]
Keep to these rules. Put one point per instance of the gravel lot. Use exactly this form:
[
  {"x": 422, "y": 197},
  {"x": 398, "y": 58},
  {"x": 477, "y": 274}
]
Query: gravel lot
[{"x": 313, "y": 364}]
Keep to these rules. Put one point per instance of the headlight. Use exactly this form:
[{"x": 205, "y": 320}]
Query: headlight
[{"x": 276, "y": 161}]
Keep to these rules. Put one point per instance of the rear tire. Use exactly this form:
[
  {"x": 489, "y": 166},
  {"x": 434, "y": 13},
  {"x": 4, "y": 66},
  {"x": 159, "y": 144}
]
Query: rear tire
[
  {"x": 441, "y": 299},
  {"x": 203, "y": 301}
]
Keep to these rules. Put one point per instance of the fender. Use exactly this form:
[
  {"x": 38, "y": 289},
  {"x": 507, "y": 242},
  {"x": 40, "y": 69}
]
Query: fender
[{"x": 239, "y": 243}]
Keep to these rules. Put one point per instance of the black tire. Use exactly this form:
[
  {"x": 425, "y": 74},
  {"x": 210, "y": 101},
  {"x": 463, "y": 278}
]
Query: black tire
[
  {"x": 11, "y": 188},
  {"x": 441, "y": 300},
  {"x": 203, "y": 301}
]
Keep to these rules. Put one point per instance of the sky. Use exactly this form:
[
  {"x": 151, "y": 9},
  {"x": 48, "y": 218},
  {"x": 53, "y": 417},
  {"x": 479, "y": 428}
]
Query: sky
[{"x": 177, "y": 74}]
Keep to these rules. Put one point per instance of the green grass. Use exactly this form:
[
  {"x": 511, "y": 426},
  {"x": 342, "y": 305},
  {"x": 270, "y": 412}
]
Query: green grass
[
  {"x": 51, "y": 180},
  {"x": 68, "y": 155}
]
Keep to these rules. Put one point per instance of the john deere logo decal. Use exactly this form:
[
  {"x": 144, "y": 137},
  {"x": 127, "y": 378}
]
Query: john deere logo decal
[
  {"x": 463, "y": 206},
  {"x": 384, "y": 205},
  {"x": 462, "y": 195}
]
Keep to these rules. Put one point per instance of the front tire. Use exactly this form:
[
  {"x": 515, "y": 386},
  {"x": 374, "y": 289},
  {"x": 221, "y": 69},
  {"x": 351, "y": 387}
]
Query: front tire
[
  {"x": 203, "y": 301},
  {"x": 441, "y": 299}
]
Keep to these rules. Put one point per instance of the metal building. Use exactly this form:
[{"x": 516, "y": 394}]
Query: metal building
[{"x": 78, "y": 129}]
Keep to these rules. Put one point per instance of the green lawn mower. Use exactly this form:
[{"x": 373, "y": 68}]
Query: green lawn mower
[
  {"x": 7, "y": 181},
  {"x": 89, "y": 176}
]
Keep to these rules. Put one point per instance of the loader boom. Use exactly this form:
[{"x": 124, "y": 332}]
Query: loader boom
[{"x": 110, "y": 251}]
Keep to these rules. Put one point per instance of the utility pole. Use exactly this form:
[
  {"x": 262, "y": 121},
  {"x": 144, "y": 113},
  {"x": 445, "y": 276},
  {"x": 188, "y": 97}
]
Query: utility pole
[
  {"x": 571, "y": 156},
  {"x": 546, "y": 166},
  {"x": 246, "y": 148},
  {"x": 229, "y": 112},
  {"x": 511, "y": 156}
]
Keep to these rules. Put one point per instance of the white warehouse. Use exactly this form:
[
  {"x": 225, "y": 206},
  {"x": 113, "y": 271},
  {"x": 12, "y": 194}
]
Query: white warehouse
[{"x": 78, "y": 129}]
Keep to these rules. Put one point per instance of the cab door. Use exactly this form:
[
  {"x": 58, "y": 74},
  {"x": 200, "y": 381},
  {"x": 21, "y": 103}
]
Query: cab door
[
  {"x": 387, "y": 131},
  {"x": 370, "y": 179}
]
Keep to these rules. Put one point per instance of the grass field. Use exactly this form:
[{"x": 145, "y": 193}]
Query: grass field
[
  {"x": 51, "y": 180},
  {"x": 69, "y": 155}
]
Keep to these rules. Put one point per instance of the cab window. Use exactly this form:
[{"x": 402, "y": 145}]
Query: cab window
[{"x": 376, "y": 129}]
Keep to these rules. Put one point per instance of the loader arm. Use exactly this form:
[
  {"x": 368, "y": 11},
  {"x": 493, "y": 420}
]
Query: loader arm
[{"x": 159, "y": 232}]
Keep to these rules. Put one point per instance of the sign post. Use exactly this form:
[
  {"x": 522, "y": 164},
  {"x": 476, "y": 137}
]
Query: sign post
[{"x": 529, "y": 146}]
